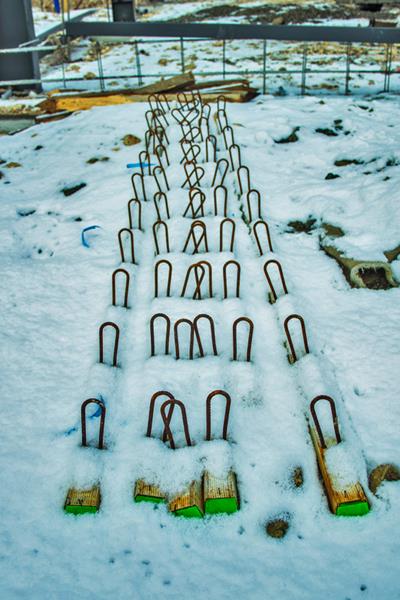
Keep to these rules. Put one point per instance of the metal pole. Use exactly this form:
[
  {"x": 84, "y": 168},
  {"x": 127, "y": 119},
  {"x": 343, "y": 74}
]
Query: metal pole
[
  {"x": 348, "y": 63},
  {"x": 388, "y": 67},
  {"x": 264, "y": 65},
  {"x": 223, "y": 58},
  {"x": 304, "y": 70},
  {"x": 182, "y": 56},
  {"x": 138, "y": 66},
  {"x": 100, "y": 66}
]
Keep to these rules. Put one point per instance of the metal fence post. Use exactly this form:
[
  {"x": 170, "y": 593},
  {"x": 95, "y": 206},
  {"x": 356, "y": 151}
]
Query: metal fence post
[
  {"x": 223, "y": 58},
  {"x": 264, "y": 65},
  {"x": 388, "y": 67},
  {"x": 182, "y": 55},
  {"x": 138, "y": 65},
  {"x": 100, "y": 66},
  {"x": 348, "y": 63},
  {"x": 304, "y": 70}
]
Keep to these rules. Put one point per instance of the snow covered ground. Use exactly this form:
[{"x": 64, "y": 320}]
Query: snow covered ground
[{"x": 56, "y": 293}]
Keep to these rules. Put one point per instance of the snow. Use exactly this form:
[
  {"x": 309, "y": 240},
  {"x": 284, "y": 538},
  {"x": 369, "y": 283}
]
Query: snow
[{"x": 56, "y": 294}]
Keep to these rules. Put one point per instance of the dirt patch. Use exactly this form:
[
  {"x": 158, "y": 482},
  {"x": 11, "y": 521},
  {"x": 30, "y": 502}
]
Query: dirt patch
[
  {"x": 375, "y": 279},
  {"x": 277, "y": 528},
  {"x": 383, "y": 473}
]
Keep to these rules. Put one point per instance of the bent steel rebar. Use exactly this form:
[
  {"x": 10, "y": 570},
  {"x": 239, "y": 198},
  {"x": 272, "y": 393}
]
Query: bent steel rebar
[
  {"x": 251, "y": 194},
  {"x": 116, "y": 342},
  {"x": 161, "y": 151},
  {"x": 101, "y": 405},
  {"x": 220, "y": 195},
  {"x": 202, "y": 238},
  {"x": 317, "y": 423},
  {"x": 221, "y": 119},
  {"x": 195, "y": 194},
  {"x": 219, "y": 177},
  {"x": 159, "y": 172},
  {"x": 132, "y": 245},
  {"x": 190, "y": 151},
  {"x": 169, "y": 277},
  {"x": 140, "y": 177},
  {"x": 114, "y": 287},
  {"x": 145, "y": 162},
  {"x": 176, "y": 337},
  {"x": 204, "y": 128},
  {"x": 222, "y": 225},
  {"x": 156, "y": 226},
  {"x": 249, "y": 338},
  {"x": 134, "y": 202},
  {"x": 157, "y": 198},
  {"x": 221, "y": 102},
  {"x": 226, "y": 416},
  {"x": 235, "y": 264},
  {"x": 210, "y": 321},
  {"x": 152, "y": 333},
  {"x": 243, "y": 176},
  {"x": 256, "y": 226},
  {"x": 234, "y": 156},
  {"x": 194, "y": 174},
  {"x": 229, "y": 139},
  {"x": 211, "y": 148},
  {"x": 153, "y": 400},
  {"x": 274, "y": 295},
  {"x": 293, "y": 356},
  {"x": 199, "y": 271},
  {"x": 167, "y": 419}
]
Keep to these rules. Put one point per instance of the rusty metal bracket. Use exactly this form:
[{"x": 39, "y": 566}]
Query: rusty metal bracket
[
  {"x": 169, "y": 280},
  {"x": 158, "y": 196},
  {"x": 229, "y": 138},
  {"x": 231, "y": 222},
  {"x": 140, "y": 177},
  {"x": 116, "y": 342},
  {"x": 114, "y": 287},
  {"x": 102, "y": 407},
  {"x": 151, "y": 410},
  {"x": 256, "y": 226},
  {"x": 202, "y": 238},
  {"x": 193, "y": 193},
  {"x": 249, "y": 339},
  {"x": 226, "y": 416},
  {"x": 197, "y": 172},
  {"x": 293, "y": 356},
  {"x": 176, "y": 337},
  {"x": 234, "y": 156},
  {"x": 132, "y": 244},
  {"x": 160, "y": 170},
  {"x": 334, "y": 418},
  {"x": 199, "y": 270},
  {"x": 243, "y": 176},
  {"x": 211, "y": 148},
  {"x": 225, "y": 168},
  {"x": 152, "y": 333},
  {"x": 156, "y": 226},
  {"x": 221, "y": 189},
  {"x": 137, "y": 203},
  {"x": 212, "y": 333},
  {"x": 234, "y": 263},
  {"x": 167, "y": 417},
  {"x": 273, "y": 294},
  {"x": 249, "y": 195}
]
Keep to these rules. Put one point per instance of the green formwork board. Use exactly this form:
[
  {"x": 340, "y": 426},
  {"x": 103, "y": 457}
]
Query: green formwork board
[
  {"x": 81, "y": 510},
  {"x": 218, "y": 506},
  {"x": 150, "y": 499},
  {"x": 191, "y": 512},
  {"x": 352, "y": 509}
]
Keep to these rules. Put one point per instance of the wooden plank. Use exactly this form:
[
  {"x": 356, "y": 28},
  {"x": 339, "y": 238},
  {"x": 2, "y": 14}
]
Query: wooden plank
[
  {"x": 147, "y": 492},
  {"x": 220, "y": 494},
  {"x": 190, "y": 502},
  {"x": 83, "y": 501},
  {"x": 338, "y": 498}
]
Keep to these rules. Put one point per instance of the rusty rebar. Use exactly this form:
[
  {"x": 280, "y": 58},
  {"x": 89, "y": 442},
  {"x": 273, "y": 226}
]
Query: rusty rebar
[
  {"x": 221, "y": 189},
  {"x": 137, "y": 203},
  {"x": 226, "y": 416},
  {"x": 132, "y": 244},
  {"x": 176, "y": 337},
  {"x": 169, "y": 279},
  {"x": 225, "y": 277},
  {"x": 167, "y": 418},
  {"x": 151, "y": 410},
  {"x": 271, "y": 285},
  {"x": 152, "y": 333},
  {"x": 257, "y": 194},
  {"x": 224, "y": 162},
  {"x": 192, "y": 236},
  {"x": 224, "y": 222},
  {"x": 210, "y": 321},
  {"x": 116, "y": 342},
  {"x": 256, "y": 225},
  {"x": 289, "y": 337},
  {"x": 114, "y": 287},
  {"x": 249, "y": 339},
  {"x": 316, "y": 420},
  {"x": 156, "y": 226},
  {"x": 158, "y": 196},
  {"x": 84, "y": 406}
]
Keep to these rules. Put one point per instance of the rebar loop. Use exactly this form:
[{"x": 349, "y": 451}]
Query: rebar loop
[
  {"x": 204, "y": 128},
  {"x": 225, "y": 167},
  {"x": 222, "y": 225},
  {"x": 205, "y": 111},
  {"x": 191, "y": 134},
  {"x": 221, "y": 102},
  {"x": 160, "y": 151},
  {"x": 167, "y": 419},
  {"x": 101, "y": 405},
  {"x": 211, "y": 148},
  {"x": 256, "y": 226},
  {"x": 195, "y": 194},
  {"x": 249, "y": 338},
  {"x": 153, "y": 400},
  {"x": 234, "y": 157},
  {"x": 219, "y": 191},
  {"x": 159, "y": 173},
  {"x": 299, "y": 318},
  {"x": 132, "y": 245},
  {"x": 138, "y": 204},
  {"x": 114, "y": 287},
  {"x": 199, "y": 271},
  {"x": 235, "y": 264},
  {"x": 158, "y": 196},
  {"x": 210, "y": 321},
  {"x": 139, "y": 176},
  {"x": 274, "y": 295},
  {"x": 249, "y": 196},
  {"x": 152, "y": 333},
  {"x": 222, "y": 119},
  {"x": 145, "y": 162},
  {"x": 243, "y": 175},
  {"x": 202, "y": 238},
  {"x": 176, "y": 337},
  {"x": 316, "y": 420},
  {"x": 156, "y": 226},
  {"x": 116, "y": 342},
  {"x": 190, "y": 151},
  {"x": 194, "y": 174},
  {"x": 229, "y": 138},
  {"x": 226, "y": 416},
  {"x": 169, "y": 277}
]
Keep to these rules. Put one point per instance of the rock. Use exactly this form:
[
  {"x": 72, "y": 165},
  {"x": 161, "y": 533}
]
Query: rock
[
  {"x": 332, "y": 176},
  {"x": 68, "y": 191},
  {"x": 344, "y": 162},
  {"x": 130, "y": 140},
  {"x": 303, "y": 227},
  {"x": 13, "y": 165},
  {"x": 96, "y": 159},
  {"x": 90, "y": 75},
  {"x": 332, "y": 230},
  {"x": 297, "y": 477},
  {"x": 277, "y": 528},
  {"x": 381, "y": 473},
  {"x": 278, "y": 21},
  {"x": 326, "y": 131},
  {"x": 293, "y": 137}
]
